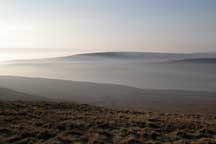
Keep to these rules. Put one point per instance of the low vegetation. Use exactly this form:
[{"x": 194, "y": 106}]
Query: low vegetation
[{"x": 69, "y": 123}]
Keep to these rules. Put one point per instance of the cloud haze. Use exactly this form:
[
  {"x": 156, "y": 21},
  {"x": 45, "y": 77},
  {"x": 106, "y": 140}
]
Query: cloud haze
[{"x": 101, "y": 25}]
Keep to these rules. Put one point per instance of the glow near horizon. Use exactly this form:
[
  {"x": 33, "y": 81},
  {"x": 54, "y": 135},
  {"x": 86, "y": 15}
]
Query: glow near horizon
[{"x": 105, "y": 25}]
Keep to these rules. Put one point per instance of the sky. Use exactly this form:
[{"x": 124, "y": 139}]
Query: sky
[{"x": 46, "y": 28}]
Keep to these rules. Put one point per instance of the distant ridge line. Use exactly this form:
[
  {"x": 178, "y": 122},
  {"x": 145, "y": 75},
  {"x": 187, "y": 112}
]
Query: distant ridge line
[
  {"x": 197, "y": 60},
  {"x": 124, "y": 55}
]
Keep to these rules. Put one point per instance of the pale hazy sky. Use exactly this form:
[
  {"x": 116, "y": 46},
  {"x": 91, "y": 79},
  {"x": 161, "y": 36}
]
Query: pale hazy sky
[{"x": 58, "y": 27}]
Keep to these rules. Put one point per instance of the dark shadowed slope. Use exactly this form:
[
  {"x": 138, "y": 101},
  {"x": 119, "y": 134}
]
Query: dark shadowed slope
[
  {"x": 11, "y": 95},
  {"x": 115, "y": 96}
]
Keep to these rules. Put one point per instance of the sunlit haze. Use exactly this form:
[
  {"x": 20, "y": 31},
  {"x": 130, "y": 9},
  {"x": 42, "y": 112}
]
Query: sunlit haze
[{"x": 64, "y": 27}]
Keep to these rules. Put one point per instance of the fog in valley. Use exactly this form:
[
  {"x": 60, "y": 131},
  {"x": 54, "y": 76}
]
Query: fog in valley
[
  {"x": 107, "y": 72},
  {"x": 146, "y": 71}
]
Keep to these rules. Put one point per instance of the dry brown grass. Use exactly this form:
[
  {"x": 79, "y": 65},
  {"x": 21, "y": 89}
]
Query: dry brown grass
[{"x": 66, "y": 123}]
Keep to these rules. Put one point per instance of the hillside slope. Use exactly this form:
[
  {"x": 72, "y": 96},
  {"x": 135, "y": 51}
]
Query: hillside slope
[
  {"x": 11, "y": 95},
  {"x": 65, "y": 123}
]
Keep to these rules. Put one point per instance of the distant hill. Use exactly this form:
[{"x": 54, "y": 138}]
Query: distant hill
[
  {"x": 122, "y": 55},
  {"x": 11, "y": 95},
  {"x": 197, "y": 60},
  {"x": 101, "y": 56},
  {"x": 115, "y": 96},
  {"x": 136, "y": 56}
]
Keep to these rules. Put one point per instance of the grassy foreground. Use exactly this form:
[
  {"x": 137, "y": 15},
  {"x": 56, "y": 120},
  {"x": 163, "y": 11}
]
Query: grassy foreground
[{"x": 68, "y": 123}]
